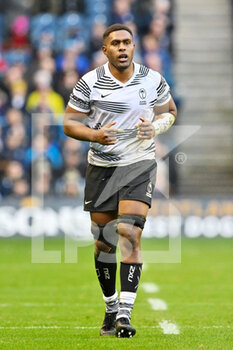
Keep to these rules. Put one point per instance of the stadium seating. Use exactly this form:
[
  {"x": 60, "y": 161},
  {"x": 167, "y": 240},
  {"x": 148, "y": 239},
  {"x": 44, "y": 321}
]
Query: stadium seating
[
  {"x": 70, "y": 28},
  {"x": 2, "y": 26},
  {"x": 43, "y": 25}
]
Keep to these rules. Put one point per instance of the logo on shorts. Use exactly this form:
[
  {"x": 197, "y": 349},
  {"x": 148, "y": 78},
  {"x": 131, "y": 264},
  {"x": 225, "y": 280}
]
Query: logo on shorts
[
  {"x": 142, "y": 95},
  {"x": 149, "y": 190}
]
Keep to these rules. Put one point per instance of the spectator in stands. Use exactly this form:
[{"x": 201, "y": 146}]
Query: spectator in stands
[
  {"x": 1, "y": 140},
  {"x": 70, "y": 183},
  {"x": 14, "y": 144},
  {"x": 59, "y": 6},
  {"x": 73, "y": 59},
  {"x": 96, "y": 40},
  {"x": 44, "y": 99},
  {"x": 40, "y": 54},
  {"x": 14, "y": 172},
  {"x": 162, "y": 7},
  {"x": 41, "y": 124},
  {"x": 20, "y": 188},
  {"x": 74, "y": 6},
  {"x": 149, "y": 43},
  {"x": 15, "y": 119},
  {"x": 137, "y": 52},
  {"x": 158, "y": 27},
  {"x": 98, "y": 59},
  {"x": 121, "y": 12},
  {"x": 143, "y": 13},
  {"x": 152, "y": 50},
  {"x": 54, "y": 6},
  {"x": 42, "y": 149},
  {"x": 42, "y": 178},
  {"x": 153, "y": 61},
  {"x": 74, "y": 156},
  {"x": 3, "y": 65},
  {"x": 5, "y": 99},
  {"x": 71, "y": 180},
  {"x": 48, "y": 64},
  {"x": 19, "y": 35},
  {"x": 66, "y": 84},
  {"x": 17, "y": 85}
]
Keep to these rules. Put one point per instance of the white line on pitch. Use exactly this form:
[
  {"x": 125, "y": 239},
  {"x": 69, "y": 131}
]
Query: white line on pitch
[
  {"x": 194, "y": 327},
  {"x": 46, "y": 327},
  {"x": 157, "y": 304},
  {"x": 145, "y": 267},
  {"x": 169, "y": 327},
  {"x": 150, "y": 287},
  {"x": 47, "y": 304},
  {"x": 97, "y": 327}
]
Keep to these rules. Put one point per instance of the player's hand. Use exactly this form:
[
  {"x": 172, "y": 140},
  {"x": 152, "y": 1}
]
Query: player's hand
[
  {"x": 146, "y": 130},
  {"x": 106, "y": 135}
]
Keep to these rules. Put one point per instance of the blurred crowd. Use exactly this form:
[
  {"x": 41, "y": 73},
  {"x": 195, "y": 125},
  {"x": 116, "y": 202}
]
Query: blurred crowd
[{"x": 45, "y": 46}]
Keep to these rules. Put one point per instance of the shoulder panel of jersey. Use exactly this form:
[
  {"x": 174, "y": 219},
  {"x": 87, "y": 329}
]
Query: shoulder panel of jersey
[
  {"x": 162, "y": 88},
  {"x": 104, "y": 81},
  {"x": 141, "y": 72},
  {"x": 81, "y": 94}
]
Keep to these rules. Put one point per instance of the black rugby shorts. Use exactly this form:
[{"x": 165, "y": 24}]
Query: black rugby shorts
[{"x": 106, "y": 186}]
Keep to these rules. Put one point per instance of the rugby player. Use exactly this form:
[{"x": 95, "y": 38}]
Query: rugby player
[{"x": 119, "y": 107}]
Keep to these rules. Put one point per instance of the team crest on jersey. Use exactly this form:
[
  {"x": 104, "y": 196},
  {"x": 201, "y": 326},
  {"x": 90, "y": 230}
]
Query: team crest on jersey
[{"x": 142, "y": 95}]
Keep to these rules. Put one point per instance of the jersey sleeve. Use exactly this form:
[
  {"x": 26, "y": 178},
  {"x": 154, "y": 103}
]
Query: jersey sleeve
[
  {"x": 80, "y": 96},
  {"x": 163, "y": 92}
]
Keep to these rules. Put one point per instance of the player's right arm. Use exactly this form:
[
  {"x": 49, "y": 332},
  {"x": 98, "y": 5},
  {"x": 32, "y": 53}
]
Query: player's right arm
[{"x": 73, "y": 127}]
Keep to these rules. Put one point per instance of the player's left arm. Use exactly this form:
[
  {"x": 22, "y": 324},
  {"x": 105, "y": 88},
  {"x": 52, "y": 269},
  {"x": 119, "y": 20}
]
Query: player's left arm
[{"x": 165, "y": 117}]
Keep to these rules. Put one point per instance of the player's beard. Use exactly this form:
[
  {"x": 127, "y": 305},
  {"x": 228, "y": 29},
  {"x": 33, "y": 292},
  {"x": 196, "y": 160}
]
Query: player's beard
[{"x": 121, "y": 68}]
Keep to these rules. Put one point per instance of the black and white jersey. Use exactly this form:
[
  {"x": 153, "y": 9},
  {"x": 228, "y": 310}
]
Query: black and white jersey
[{"x": 106, "y": 100}]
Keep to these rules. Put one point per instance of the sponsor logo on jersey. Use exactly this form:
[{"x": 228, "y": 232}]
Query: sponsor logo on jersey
[{"x": 103, "y": 96}]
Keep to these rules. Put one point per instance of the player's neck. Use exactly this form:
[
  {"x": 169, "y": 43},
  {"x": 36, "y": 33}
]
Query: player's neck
[{"x": 122, "y": 75}]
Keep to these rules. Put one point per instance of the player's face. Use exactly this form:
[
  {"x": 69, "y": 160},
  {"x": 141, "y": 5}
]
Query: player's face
[{"x": 119, "y": 49}]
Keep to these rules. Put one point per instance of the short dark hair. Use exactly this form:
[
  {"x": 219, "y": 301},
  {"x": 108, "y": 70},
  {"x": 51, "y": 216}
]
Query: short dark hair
[{"x": 114, "y": 28}]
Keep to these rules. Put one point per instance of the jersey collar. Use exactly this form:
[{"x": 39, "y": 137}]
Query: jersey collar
[{"x": 108, "y": 73}]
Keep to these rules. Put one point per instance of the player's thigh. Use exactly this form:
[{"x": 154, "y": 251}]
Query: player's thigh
[
  {"x": 102, "y": 218},
  {"x": 132, "y": 207}
]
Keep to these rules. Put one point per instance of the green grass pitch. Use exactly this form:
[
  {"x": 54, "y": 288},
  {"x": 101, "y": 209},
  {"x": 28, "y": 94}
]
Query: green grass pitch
[{"x": 59, "y": 306}]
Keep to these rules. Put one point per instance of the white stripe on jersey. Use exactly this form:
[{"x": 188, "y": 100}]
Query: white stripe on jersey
[{"x": 107, "y": 100}]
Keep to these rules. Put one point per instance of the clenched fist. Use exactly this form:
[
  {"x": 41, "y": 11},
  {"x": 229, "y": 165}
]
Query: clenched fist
[
  {"x": 145, "y": 130},
  {"x": 106, "y": 135}
]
